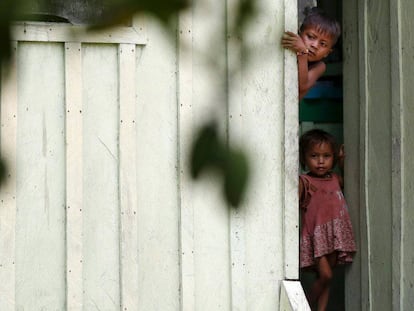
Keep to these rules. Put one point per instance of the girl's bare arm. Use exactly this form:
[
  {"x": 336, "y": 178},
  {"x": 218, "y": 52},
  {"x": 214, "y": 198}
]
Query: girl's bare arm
[
  {"x": 341, "y": 160},
  {"x": 301, "y": 189}
]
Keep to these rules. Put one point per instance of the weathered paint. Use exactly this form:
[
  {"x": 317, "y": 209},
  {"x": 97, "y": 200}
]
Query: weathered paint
[
  {"x": 59, "y": 32},
  {"x": 101, "y": 236},
  {"x": 290, "y": 156},
  {"x": 40, "y": 182},
  {"x": 157, "y": 191},
  {"x": 292, "y": 297},
  {"x": 403, "y": 10},
  {"x": 128, "y": 177},
  {"x": 357, "y": 289},
  {"x": 102, "y": 213},
  {"x": 8, "y": 191},
  {"x": 74, "y": 173},
  {"x": 378, "y": 97}
]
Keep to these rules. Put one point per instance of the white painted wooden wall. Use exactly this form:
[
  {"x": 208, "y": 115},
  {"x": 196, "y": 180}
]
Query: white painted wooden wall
[{"x": 99, "y": 212}]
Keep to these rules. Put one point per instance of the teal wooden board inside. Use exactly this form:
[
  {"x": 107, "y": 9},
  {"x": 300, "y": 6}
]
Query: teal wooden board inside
[{"x": 320, "y": 110}]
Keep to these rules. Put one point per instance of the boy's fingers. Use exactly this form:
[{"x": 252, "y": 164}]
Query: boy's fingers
[
  {"x": 291, "y": 34},
  {"x": 285, "y": 37},
  {"x": 289, "y": 39}
]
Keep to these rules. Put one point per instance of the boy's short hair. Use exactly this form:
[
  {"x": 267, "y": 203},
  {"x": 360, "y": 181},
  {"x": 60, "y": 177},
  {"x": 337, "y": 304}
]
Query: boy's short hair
[
  {"x": 313, "y": 137},
  {"x": 317, "y": 18}
]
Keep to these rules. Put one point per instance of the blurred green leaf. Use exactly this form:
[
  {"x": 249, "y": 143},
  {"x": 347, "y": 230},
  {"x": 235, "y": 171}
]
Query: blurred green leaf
[
  {"x": 245, "y": 10},
  {"x": 3, "y": 168},
  {"x": 7, "y": 11},
  {"x": 207, "y": 151},
  {"x": 236, "y": 176},
  {"x": 210, "y": 153},
  {"x": 120, "y": 11}
]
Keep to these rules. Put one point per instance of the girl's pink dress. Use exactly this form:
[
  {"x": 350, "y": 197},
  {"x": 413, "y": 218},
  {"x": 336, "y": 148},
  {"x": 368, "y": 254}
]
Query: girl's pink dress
[{"x": 326, "y": 226}]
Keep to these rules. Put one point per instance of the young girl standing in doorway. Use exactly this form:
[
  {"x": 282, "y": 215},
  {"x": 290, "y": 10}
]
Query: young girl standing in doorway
[{"x": 326, "y": 231}]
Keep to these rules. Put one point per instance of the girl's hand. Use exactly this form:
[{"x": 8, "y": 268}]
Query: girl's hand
[
  {"x": 341, "y": 151},
  {"x": 341, "y": 157},
  {"x": 294, "y": 43}
]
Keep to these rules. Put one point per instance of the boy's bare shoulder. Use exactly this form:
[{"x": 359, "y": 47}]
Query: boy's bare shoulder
[{"x": 320, "y": 65}]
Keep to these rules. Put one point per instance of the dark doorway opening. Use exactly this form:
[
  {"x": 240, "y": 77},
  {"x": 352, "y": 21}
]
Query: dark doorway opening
[{"x": 322, "y": 107}]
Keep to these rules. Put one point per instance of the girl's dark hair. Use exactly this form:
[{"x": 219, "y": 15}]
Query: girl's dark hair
[
  {"x": 317, "y": 18},
  {"x": 315, "y": 137}
]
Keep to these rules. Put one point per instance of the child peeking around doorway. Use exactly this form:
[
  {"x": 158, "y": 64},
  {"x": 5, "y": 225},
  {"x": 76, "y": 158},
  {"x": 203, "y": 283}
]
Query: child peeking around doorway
[{"x": 317, "y": 37}]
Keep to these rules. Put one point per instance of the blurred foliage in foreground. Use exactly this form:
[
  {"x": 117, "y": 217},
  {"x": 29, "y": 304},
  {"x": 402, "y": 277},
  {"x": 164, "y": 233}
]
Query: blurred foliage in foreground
[{"x": 209, "y": 151}]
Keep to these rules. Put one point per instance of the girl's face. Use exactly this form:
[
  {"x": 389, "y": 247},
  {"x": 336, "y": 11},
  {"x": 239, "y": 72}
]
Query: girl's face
[
  {"x": 319, "y": 159},
  {"x": 319, "y": 44}
]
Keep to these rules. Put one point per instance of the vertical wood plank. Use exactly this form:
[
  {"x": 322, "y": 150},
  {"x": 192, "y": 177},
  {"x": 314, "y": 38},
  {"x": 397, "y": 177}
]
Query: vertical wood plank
[
  {"x": 291, "y": 152},
  {"x": 379, "y": 153},
  {"x": 209, "y": 101},
  {"x": 405, "y": 9},
  {"x": 235, "y": 121},
  {"x": 185, "y": 99},
  {"x": 397, "y": 166},
  {"x": 263, "y": 129},
  {"x": 40, "y": 219},
  {"x": 157, "y": 191},
  {"x": 362, "y": 102},
  {"x": 353, "y": 67},
  {"x": 128, "y": 178},
  {"x": 74, "y": 175},
  {"x": 362, "y": 99},
  {"x": 8, "y": 206},
  {"x": 101, "y": 266}
]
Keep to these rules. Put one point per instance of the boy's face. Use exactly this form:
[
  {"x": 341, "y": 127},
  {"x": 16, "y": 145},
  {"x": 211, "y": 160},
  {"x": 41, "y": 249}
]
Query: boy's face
[{"x": 319, "y": 44}]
